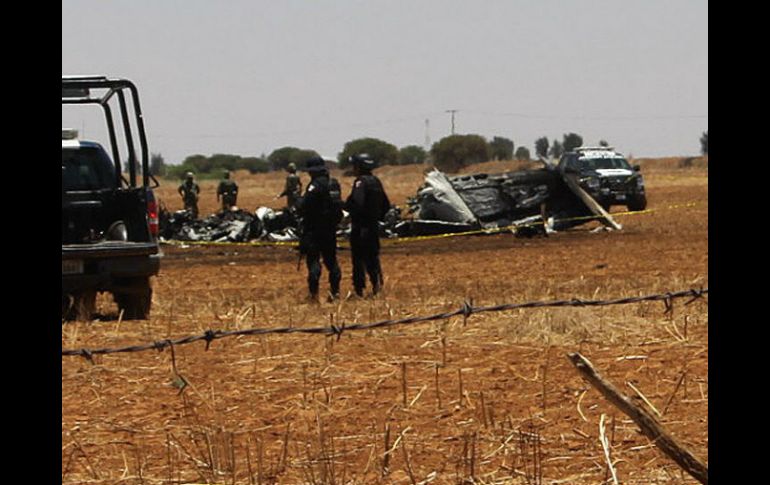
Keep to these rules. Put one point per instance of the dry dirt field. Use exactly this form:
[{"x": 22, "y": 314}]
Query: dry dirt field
[{"x": 491, "y": 400}]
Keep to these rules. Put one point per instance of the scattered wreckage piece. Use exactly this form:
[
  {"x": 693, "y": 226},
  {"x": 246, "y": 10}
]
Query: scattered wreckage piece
[
  {"x": 226, "y": 226},
  {"x": 603, "y": 216}
]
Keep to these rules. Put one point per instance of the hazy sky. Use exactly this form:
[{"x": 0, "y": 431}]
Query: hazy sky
[{"x": 248, "y": 76}]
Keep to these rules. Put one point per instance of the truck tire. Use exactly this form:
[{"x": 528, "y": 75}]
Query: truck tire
[
  {"x": 638, "y": 203},
  {"x": 79, "y": 306},
  {"x": 135, "y": 304}
]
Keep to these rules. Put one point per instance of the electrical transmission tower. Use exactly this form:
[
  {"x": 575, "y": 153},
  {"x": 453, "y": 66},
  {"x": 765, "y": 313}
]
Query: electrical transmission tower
[{"x": 453, "y": 111}]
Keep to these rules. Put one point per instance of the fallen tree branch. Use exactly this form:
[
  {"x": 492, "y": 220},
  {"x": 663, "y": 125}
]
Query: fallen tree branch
[{"x": 646, "y": 422}]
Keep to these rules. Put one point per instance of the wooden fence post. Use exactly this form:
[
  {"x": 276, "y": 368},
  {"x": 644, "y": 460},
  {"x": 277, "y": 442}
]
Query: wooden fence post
[{"x": 648, "y": 424}]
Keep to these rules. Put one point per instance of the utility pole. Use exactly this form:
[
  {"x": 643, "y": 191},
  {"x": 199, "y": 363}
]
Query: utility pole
[
  {"x": 453, "y": 111},
  {"x": 427, "y": 134}
]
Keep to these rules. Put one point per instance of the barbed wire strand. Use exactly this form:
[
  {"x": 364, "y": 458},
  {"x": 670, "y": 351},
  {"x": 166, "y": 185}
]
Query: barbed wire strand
[{"x": 466, "y": 310}]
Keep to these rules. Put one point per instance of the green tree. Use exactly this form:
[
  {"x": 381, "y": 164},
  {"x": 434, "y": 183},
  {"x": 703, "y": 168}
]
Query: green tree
[
  {"x": 197, "y": 164},
  {"x": 571, "y": 141},
  {"x": 253, "y": 165},
  {"x": 383, "y": 152},
  {"x": 704, "y": 143},
  {"x": 281, "y": 157},
  {"x": 411, "y": 154},
  {"x": 556, "y": 150},
  {"x": 220, "y": 162},
  {"x": 300, "y": 157},
  {"x": 157, "y": 164},
  {"x": 522, "y": 153},
  {"x": 541, "y": 147},
  {"x": 502, "y": 148},
  {"x": 177, "y": 171},
  {"x": 457, "y": 151}
]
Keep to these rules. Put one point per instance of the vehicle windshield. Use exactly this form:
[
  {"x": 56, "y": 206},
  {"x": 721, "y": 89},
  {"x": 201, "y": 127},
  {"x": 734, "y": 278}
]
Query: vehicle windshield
[
  {"x": 86, "y": 168},
  {"x": 603, "y": 163}
]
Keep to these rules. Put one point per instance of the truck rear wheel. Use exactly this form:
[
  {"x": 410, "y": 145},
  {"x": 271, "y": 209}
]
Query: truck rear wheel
[
  {"x": 79, "y": 306},
  {"x": 135, "y": 303}
]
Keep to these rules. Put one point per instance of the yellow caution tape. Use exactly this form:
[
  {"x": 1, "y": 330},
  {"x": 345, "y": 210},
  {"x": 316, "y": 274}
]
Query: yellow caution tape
[
  {"x": 433, "y": 236},
  {"x": 174, "y": 242}
]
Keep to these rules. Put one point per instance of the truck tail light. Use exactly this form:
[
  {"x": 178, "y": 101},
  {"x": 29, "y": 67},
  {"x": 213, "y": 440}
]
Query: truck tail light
[{"x": 152, "y": 214}]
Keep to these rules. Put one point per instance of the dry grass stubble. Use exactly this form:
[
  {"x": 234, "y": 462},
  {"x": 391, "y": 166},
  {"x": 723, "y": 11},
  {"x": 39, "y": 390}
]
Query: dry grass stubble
[{"x": 493, "y": 400}]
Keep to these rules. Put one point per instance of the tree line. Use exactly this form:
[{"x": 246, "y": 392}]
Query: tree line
[{"x": 449, "y": 154}]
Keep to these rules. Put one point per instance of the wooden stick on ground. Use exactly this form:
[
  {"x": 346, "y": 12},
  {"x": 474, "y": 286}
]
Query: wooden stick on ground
[
  {"x": 649, "y": 426},
  {"x": 606, "y": 447}
]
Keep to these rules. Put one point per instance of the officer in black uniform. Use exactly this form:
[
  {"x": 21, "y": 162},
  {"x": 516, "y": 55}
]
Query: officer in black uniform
[
  {"x": 367, "y": 204},
  {"x": 321, "y": 210}
]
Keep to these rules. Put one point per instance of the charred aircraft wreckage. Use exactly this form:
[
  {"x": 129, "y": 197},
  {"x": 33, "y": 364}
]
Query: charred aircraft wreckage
[{"x": 580, "y": 188}]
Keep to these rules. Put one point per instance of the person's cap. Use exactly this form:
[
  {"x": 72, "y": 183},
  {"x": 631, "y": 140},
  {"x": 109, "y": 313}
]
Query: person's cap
[
  {"x": 363, "y": 160},
  {"x": 291, "y": 167},
  {"x": 189, "y": 175},
  {"x": 315, "y": 164}
]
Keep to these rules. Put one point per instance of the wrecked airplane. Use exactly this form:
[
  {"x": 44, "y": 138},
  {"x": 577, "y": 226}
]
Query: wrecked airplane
[{"x": 526, "y": 202}]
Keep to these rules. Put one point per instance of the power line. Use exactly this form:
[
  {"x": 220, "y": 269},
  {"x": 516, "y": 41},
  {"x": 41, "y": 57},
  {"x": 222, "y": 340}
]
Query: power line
[{"x": 585, "y": 117}]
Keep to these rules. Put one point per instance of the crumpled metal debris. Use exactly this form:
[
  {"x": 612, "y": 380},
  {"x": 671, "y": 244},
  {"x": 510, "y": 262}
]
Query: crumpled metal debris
[
  {"x": 526, "y": 202},
  {"x": 227, "y": 226},
  {"x": 531, "y": 202}
]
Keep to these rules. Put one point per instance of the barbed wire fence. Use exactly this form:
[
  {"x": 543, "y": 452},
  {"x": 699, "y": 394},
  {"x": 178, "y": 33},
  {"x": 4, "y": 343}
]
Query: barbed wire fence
[{"x": 466, "y": 310}]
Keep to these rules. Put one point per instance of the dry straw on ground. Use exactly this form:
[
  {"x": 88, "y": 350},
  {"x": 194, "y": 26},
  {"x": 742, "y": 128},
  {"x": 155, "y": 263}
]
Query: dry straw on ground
[{"x": 493, "y": 400}]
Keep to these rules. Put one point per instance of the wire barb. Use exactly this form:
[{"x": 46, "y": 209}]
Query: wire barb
[
  {"x": 88, "y": 355},
  {"x": 696, "y": 295},
  {"x": 467, "y": 310},
  {"x": 209, "y": 336},
  {"x": 669, "y": 304}
]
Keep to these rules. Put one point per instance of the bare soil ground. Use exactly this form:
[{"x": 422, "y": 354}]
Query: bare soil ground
[{"x": 490, "y": 400}]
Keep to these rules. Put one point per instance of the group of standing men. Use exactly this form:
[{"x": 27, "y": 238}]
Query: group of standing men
[
  {"x": 227, "y": 193},
  {"x": 320, "y": 212}
]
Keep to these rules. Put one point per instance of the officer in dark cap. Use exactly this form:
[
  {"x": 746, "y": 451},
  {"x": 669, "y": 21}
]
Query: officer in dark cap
[
  {"x": 227, "y": 191},
  {"x": 321, "y": 210},
  {"x": 367, "y": 204}
]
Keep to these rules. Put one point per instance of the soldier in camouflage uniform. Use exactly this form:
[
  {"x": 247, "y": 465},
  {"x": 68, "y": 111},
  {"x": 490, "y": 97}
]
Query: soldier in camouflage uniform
[
  {"x": 227, "y": 191},
  {"x": 293, "y": 187},
  {"x": 189, "y": 190}
]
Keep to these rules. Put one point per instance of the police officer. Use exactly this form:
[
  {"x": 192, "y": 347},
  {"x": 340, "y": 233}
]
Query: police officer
[
  {"x": 367, "y": 204},
  {"x": 320, "y": 213},
  {"x": 189, "y": 190},
  {"x": 227, "y": 191},
  {"x": 293, "y": 187}
]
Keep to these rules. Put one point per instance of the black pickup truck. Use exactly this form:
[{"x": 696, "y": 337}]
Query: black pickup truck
[
  {"x": 607, "y": 176},
  {"x": 109, "y": 218}
]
